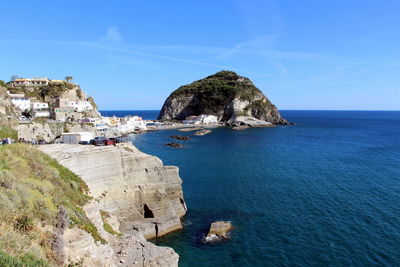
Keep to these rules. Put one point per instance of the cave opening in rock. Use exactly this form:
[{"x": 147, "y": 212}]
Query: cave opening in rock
[
  {"x": 183, "y": 203},
  {"x": 148, "y": 213}
]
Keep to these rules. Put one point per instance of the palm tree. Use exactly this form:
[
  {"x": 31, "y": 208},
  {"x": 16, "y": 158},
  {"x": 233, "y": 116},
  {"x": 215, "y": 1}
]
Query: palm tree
[{"x": 68, "y": 78}]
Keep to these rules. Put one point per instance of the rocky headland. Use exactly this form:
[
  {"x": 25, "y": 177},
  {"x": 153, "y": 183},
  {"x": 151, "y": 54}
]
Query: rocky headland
[
  {"x": 142, "y": 199},
  {"x": 232, "y": 98}
]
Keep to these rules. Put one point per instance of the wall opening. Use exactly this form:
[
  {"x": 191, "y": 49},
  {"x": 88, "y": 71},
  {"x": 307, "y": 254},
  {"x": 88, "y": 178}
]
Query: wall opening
[{"x": 148, "y": 213}]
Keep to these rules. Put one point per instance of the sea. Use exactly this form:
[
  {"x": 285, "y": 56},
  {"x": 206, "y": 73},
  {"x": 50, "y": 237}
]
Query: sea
[{"x": 324, "y": 192}]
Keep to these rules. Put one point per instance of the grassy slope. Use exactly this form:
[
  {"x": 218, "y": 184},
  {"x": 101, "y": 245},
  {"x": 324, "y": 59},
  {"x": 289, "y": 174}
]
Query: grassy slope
[
  {"x": 33, "y": 187},
  {"x": 6, "y": 131}
]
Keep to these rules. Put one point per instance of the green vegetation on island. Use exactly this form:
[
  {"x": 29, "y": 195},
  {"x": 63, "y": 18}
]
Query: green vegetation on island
[
  {"x": 224, "y": 94},
  {"x": 216, "y": 90}
]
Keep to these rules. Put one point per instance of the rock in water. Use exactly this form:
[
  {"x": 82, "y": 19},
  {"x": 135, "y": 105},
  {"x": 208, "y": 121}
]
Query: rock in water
[
  {"x": 224, "y": 94},
  {"x": 174, "y": 145},
  {"x": 202, "y": 132},
  {"x": 218, "y": 231},
  {"x": 189, "y": 129},
  {"x": 180, "y": 137}
]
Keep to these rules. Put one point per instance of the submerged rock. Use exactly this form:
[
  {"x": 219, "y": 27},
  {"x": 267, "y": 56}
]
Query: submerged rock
[
  {"x": 190, "y": 129},
  {"x": 175, "y": 145},
  {"x": 219, "y": 231},
  {"x": 202, "y": 132},
  {"x": 241, "y": 127},
  {"x": 180, "y": 137}
]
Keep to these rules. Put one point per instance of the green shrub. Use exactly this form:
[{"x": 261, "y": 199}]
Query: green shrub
[
  {"x": 107, "y": 227},
  {"x": 27, "y": 260}
]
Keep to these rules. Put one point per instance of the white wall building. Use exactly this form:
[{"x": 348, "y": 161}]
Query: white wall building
[
  {"x": 35, "y": 81},
  {"x": 75, "y": 138},
  {"x": 39, "y": 105},
  {"x": 133, "y": 123},
  {"x": 81, "y": 106},
  {"x": 209, "y": 119},
  {"x": 20, "y": 101},
  {"x": 128, "y": 124},
  {"x": 201, "y": 119},
  {"x": 41, "y": 113}
]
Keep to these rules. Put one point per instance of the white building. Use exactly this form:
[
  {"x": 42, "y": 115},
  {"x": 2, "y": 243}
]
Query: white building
[
  {"x": 41, "y": 113},
  {"x": 102, "y": 127},
  {"x": 133, "y": 123},
  {"x": 201, "y": 119},
  {"x": 39, "y": 105},
  {"x": 75, "y": 138},
  {"x": 20, "y": 101},
  {"x": 35, "y": 81},
  {"x": 81, "y": 106},
  {"x": 127, "y": 124},
  {"x": 208, "y": 119}
]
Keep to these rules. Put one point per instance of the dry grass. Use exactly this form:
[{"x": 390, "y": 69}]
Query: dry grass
[{"x": 33, "y": 187}]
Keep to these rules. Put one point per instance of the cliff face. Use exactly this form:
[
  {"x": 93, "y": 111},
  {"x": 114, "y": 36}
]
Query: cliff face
[
  {"x": 142, "y": 198},
  {"x": 6, "y": 107},
  {"x": 224, "y": 94},
  {"x": 134, "y": 187}
]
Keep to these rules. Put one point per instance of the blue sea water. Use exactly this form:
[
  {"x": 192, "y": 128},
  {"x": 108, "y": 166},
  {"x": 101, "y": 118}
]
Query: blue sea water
[
  {"x": 145, "y": 114},
  {"x": 325, "y": 192}
]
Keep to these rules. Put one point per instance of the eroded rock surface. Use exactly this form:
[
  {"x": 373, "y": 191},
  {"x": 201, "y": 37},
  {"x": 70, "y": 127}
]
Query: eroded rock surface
[
  {"x": 142, "y": 196},
  {"x": 224, "y": 94},
  {"x": 218, "y": 231}
]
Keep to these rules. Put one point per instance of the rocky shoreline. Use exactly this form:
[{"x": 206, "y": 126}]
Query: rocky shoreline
[{"x": 142, "y": 197}]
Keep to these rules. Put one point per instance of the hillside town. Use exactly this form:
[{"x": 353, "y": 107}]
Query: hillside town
[{"x": 40, "y": 99}]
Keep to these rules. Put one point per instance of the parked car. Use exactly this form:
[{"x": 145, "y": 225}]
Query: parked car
[
  {"x": 114, "y": 139},
  {"x": 42, "y": 142},
  {"x": 108, "y": 142},
  {"x": 99, "y": 142},
  {"x": 84, "y": 142}
]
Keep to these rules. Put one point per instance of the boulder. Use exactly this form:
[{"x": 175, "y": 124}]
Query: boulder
[
  {"x": 219, "y": 231},
  {"x": 202, "y": 132},
  {"x": 180, "y": 137},
  {"x": 174, "y": 145}
]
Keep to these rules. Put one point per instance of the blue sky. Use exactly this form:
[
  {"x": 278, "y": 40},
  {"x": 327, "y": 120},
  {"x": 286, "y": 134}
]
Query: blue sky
[{"x": 310, "y": 54}]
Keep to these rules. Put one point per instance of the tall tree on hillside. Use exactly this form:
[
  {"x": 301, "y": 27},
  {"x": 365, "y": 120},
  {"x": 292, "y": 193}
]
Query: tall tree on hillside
[
  {"x": 68, "y": 78},
  {"x": 14, "y": 77}
]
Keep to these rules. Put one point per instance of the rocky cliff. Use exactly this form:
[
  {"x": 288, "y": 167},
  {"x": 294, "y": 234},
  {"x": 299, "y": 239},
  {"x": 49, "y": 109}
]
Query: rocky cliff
[
  {"x": 232, "y": 98},
  {"x": 142, "y": 198},
  {"x": 7, "y": 109}
]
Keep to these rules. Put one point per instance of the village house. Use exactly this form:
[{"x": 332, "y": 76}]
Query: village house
[
  {"x": 128, "y": 124},
  {"x": 40, "y": 109},
  {"x": 41, "y": 113},
  {"x": 35, "y": 81},
  {"x": 81, "y": 106},
  {"x": 201, "y": 119},
  {"x": 63, "y": 111},
  {"x": 75, "y": 138},
  {"x": 39, "y": 105},
  {"x": 20, "y": 101}
]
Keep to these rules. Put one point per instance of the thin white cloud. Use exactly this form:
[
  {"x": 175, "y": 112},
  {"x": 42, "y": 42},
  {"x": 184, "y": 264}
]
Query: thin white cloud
[{"x": 113, "y": 35}]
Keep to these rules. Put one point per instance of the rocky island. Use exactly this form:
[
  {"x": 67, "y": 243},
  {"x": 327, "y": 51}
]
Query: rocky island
[{"x": 232, "y": 98}]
